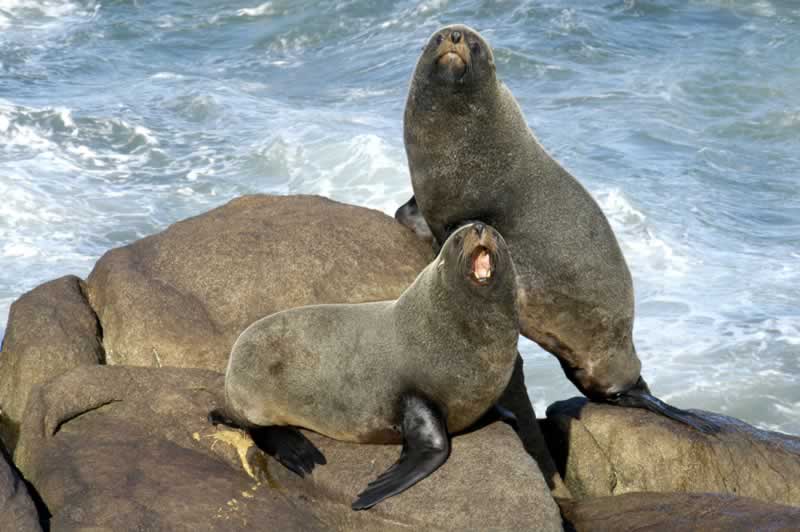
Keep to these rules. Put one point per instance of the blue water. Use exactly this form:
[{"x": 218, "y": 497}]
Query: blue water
[{"x": 681, "y": 117}]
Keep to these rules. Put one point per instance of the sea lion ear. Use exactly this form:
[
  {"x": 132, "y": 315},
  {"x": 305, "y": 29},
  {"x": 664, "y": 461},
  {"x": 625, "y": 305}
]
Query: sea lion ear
[{"x": 440, "y": 265}]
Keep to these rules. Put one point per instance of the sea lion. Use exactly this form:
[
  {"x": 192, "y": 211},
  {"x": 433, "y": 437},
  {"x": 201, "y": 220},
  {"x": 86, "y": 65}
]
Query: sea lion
[
  {"x": 410, "y": 371},
  {"x": 473, "y": 157}
]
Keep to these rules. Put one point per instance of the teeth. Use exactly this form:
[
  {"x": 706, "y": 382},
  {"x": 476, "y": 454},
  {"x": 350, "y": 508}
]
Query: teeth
[
  {"x": 482, "y": 276},
  {"x": 482, "y": 266}
]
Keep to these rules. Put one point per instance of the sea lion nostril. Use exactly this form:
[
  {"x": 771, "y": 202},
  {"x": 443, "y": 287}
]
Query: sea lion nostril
[
  {"x": 455, "y": 36},
  {"x": 479, "y": 228}
]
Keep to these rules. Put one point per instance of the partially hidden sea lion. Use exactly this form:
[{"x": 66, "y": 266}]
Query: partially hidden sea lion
[
  {"x": 473, "y": 157},
  {"x": 410, "y": 371}
]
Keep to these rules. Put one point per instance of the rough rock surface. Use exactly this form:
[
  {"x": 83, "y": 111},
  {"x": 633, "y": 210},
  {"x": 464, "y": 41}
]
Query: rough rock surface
[
  {"x": 606, "y": 450},
  {"x": 181, "y": 297},
  {"x": 17, "y": 511},
  {"x": 687, "y": 512},
  {"x": 124, "y": 447},
  {"x": 51, "y": 329}
]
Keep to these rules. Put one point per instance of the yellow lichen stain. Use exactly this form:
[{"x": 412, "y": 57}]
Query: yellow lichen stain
[
  {"x": 239, "y": 441},
  {"x": 263, "y": 464},
  {"x": 242, "y": 442}
]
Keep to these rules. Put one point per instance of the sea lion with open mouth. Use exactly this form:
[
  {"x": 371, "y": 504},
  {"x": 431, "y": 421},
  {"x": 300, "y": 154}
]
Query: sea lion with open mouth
[
  {"x": 408, "y": 371},
  {"x": 473, "y": 157}
]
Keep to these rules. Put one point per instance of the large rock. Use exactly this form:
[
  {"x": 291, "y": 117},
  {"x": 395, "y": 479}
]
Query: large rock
[
  {"x": 118, "y": 447},
  {"x": 687, "y": 512},
  {"x": 51, "y": 329},
  {"x": 181, "y": 297},
  {"x": 607, "y": 450},
  {"x": 17, "y": 511}
]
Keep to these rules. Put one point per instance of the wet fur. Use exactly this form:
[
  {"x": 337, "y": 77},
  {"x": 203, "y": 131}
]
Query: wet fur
[
  {"x": 473, "y": 157},
  {"x": 341, "y": 370}
]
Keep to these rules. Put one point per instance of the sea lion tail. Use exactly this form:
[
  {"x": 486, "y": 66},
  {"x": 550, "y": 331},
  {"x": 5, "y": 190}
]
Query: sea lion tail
[{"x": 640, "y": 397}]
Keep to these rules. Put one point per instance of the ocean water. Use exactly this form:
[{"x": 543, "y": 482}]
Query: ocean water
[{"x": 681, "y": 117}]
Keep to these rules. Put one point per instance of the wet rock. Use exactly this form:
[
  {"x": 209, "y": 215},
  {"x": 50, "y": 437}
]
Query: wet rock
[
  {"x": 51, "y": 329},
  {"x": 606, "y": 450},
  {"x": 17, "y": 511},
  {"x": 687, "y": 512}
]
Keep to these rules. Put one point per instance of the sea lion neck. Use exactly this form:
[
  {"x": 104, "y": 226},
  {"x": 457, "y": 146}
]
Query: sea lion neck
[{"x": 472, "y": 280}]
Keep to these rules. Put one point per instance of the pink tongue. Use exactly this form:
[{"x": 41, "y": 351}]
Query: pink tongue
[{"x": 482, "y": 267}]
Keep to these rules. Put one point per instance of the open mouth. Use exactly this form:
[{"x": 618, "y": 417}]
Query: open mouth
[{"x": 481, "y": 265}]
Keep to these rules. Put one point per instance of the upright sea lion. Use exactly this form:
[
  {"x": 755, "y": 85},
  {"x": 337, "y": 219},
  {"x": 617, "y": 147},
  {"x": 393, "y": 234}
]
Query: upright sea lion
[
  {"x": 411, "y": 370},
  {"x": 473, "y": 157}
]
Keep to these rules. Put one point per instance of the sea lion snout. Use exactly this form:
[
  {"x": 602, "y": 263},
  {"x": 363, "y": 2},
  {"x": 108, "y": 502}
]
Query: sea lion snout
[
  {"x": 452, "y": 54},
  {"x": 457, "y": 57}
]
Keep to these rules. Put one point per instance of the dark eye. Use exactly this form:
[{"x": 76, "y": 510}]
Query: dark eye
[
  {"x": 475, "y": 47},
  {"x": 439, "y": 39}
]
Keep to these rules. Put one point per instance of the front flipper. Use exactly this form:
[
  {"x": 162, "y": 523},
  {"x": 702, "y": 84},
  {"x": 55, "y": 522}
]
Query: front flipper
[
  {"x": 426, "y": 446},
  {"x": 640, "y": 397},
  {"x": 289, "y": 447}
]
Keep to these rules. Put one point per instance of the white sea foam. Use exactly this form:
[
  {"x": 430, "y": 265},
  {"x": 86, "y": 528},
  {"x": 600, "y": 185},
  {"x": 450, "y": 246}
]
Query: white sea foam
[
  {"x": 84, "y": 152},
  {"x": 66, "y": 117},
  {"x": 259, "y": 11},
  {"x": 430, "y": 5},
  {"x": 145, "y": 133},
  {"x": 640, "y": 243},
  {"x": 47, "y": 8},
  {"x": 19, "y": 250},
  {"x": 166, "y": 21},
  {"x": 762, "y": 8}
]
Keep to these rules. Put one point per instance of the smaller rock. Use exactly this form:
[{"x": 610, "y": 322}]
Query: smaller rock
[
  {"x": 608, "y": 450},
  {"x": 51, "y": 329},
  {"x": 687, "y": 512},
  {"x": 17, "y": 511}
]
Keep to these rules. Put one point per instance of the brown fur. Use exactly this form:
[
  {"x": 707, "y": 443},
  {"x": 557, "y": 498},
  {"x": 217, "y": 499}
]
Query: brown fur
[
  {"x": 341, "y": 370},
  {"x": 473, "y": 157}
]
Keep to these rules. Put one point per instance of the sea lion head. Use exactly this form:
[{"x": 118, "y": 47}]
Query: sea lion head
[
  {"x": 475, "y": 261},
  {"x": 456, "y": 58}
]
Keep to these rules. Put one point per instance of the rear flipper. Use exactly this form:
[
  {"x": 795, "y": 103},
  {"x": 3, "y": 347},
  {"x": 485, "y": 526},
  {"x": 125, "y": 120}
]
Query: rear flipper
[
  {"x": 410, "y": 216},
  {"x": 289, "y": 447},
  {"x": 426, "y": 446},
  {"x": 496, "y": 413},
  {"x": 286, "y": 444},
  {"x": 640, "y": 397}
]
